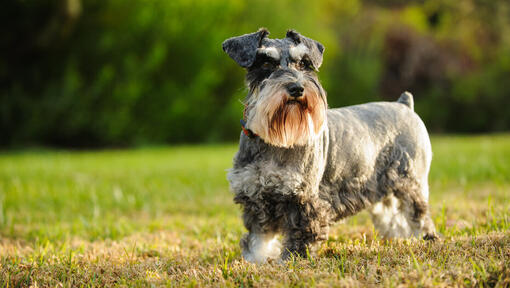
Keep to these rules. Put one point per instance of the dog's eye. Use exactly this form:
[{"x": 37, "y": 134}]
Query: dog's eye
[
  {"x": 268, "y": 65},
  {"x": 305, "y": 65}
]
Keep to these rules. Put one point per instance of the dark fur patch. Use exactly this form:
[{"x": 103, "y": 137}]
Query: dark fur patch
[{"x": 243, "y": 49}]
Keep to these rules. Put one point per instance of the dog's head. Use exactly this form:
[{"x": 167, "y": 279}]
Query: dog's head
[{"x": 286, "y": 105}]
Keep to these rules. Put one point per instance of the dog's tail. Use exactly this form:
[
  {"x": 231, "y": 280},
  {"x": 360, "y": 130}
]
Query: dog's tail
[{"x": 407, "y": 99}]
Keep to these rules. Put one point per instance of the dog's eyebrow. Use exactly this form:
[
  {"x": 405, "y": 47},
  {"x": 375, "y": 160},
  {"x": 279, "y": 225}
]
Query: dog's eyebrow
[
  {"x": 270, "y": 52},
  {"x": 297, "y": 52}
]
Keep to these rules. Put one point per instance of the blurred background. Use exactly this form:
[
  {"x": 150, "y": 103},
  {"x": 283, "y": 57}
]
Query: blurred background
[{"x": 94, "y": 73}]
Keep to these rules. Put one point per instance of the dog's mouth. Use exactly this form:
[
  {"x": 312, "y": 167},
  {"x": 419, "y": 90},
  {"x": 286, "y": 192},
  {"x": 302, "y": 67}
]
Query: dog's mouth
[{"x": 296, "y": 101}]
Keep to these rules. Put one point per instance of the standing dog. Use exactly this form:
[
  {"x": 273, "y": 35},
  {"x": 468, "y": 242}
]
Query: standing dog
[{"x": 302, "y": 166}]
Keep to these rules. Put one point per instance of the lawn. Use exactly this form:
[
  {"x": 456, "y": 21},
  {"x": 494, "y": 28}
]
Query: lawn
[{"x": 165, "y": 216}]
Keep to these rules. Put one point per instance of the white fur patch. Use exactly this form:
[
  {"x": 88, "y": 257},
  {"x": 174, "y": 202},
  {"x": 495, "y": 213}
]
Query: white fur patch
[
  {"x": 270, "y": 51},
  {"x": 298, "y": 52},
  {"x": 262, "y": 247},
  {"x": 392, "y": 220}
]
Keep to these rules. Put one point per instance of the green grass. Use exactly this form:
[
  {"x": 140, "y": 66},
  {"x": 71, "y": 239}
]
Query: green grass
[{"x": 165, "y": 216}]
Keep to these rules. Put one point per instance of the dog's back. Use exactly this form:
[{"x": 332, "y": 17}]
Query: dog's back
[
  {"x": 362, "y": 132},
  {"x": 374, "y": 150}
]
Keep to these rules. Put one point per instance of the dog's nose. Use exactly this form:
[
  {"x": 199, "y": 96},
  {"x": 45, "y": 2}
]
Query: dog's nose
[{"x": 295, "y": 89}]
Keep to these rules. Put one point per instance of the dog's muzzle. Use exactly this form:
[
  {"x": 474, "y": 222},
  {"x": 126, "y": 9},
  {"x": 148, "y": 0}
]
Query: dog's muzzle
[{"x": 295, "y": 89}]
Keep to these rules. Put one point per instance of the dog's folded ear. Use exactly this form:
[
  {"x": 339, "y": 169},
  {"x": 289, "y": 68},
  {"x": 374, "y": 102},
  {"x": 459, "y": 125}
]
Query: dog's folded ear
[
  {"x": 243, "y": 49},
  {"x": 316, "y": 49}
]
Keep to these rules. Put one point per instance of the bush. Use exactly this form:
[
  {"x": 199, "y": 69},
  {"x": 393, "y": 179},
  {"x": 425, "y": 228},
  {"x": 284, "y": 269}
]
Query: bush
[{"x": 115, "y": 73}]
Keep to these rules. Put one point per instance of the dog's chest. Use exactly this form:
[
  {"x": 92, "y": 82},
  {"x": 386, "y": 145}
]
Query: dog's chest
[{"x": 260, "y": 169}]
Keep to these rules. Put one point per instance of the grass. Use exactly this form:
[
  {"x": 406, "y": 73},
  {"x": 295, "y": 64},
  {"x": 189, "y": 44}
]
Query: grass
[{"x": 164, "y": 216}]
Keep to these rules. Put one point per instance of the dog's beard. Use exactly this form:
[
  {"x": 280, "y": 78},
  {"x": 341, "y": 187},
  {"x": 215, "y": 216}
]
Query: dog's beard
[{"x": 282, "y": 121}]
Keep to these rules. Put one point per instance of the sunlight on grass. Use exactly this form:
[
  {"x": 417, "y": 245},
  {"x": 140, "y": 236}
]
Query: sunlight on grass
[{"x": 166, "y": 216}]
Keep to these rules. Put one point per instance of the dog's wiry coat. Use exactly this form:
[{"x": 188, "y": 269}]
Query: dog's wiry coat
[{"x": 375, "y": 156}]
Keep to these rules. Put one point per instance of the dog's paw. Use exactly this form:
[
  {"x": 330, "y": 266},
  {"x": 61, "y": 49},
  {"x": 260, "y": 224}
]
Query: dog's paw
[
  {"x": 431, "y": 237},
  {"x": 259, "y": 248}
]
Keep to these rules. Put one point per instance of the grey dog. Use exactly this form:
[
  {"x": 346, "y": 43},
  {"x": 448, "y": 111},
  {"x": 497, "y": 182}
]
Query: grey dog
[{"x": 301, "y": 166}]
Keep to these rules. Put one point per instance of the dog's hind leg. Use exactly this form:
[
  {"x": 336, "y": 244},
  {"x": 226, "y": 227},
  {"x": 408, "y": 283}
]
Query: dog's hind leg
[
  {"x": 427, "y": 225},
  {"x": 389, "y": 219},
  {"x": 404, "y": 213}
]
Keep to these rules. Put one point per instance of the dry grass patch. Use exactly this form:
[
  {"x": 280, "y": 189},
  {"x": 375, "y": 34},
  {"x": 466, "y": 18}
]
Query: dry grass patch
[
  {"x": 165, "y": 217},
  {"x": 165, "y": 258}
]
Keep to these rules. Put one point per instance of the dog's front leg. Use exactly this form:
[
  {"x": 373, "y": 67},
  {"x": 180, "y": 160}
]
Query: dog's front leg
[
  {"x": 259, "y": 247},
  {"x": 260, "y": 244},
  {"x": 306, "y": 224}
]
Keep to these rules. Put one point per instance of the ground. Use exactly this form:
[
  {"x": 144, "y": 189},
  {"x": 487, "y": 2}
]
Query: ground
[{"x": 165, "y": 216}]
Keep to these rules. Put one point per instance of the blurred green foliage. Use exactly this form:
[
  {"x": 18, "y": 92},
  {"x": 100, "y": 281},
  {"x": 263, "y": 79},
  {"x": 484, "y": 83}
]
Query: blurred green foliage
[{"x": 125, "y": 72}]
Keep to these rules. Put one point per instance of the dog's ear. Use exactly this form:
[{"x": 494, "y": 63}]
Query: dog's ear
[
  {"x": 316, "y": 49},
  {"x": 243, "y": 49}
]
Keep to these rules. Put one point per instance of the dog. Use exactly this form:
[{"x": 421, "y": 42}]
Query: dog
[{"x": 301, "y": 166}]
